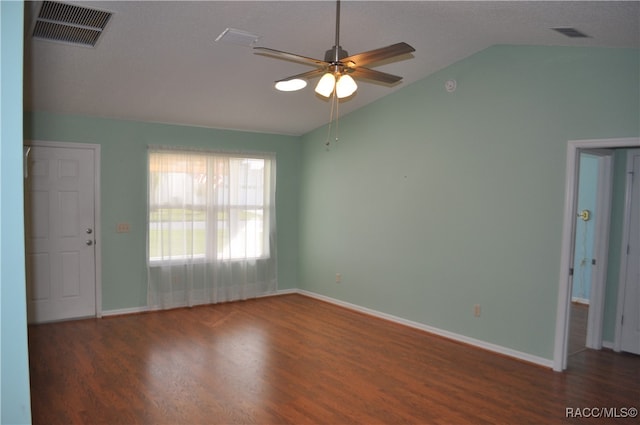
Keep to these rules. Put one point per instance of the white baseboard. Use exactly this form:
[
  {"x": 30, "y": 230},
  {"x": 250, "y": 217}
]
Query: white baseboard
[
  {"x": 135, "y": 310},
  {"x": 284, "y": 292},
  {"x": 123, "y": 311},
  {"x": 450, "y": 335},
  {"x": 580, "y": 300}
]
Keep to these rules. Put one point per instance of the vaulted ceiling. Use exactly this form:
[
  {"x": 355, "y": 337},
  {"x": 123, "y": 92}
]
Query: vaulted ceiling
[{"x": 160, "y": 62}]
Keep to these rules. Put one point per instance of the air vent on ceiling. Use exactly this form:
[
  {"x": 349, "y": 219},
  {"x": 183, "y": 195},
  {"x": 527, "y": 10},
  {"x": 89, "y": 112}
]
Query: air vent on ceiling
[
  {"x": 235, "y": 36},
  {"x": 70, "y": 24},
  {"x": 571, "y": 32}
]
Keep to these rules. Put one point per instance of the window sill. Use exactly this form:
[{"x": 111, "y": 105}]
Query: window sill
[{"x": 183, "y": 262}]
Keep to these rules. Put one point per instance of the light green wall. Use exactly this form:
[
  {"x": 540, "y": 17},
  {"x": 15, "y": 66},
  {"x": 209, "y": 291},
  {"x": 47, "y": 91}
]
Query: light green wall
[
  {"x": 123, "y": 182},
  {"x": 432, "y": 202},
  {"x": 15, "y": 404}
]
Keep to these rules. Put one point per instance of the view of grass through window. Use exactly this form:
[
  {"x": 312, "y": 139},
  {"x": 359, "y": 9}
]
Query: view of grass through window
[
  {"x": 185, "y": 240},
  {"x": 204, "y": 205}
]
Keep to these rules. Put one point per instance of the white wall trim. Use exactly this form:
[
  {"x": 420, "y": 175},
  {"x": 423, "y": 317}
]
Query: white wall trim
[
  {"x": 580, "y": 300},
  {"x": 436, "y": 331},
  {"x": 283, "y": 292},
  {"x": 124, "y": 311}
]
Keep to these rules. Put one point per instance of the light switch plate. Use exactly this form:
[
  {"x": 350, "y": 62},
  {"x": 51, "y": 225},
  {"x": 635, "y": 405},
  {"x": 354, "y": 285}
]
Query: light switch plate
[{"x": 123, "y": 228}]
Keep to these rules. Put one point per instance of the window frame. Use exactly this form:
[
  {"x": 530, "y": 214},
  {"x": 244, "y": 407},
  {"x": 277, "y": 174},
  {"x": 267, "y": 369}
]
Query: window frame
[{"x": 266, "y": 208}]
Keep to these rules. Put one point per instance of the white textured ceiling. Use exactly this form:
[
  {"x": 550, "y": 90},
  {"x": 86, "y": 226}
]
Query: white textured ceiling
[{"x": 159, "y": 62}]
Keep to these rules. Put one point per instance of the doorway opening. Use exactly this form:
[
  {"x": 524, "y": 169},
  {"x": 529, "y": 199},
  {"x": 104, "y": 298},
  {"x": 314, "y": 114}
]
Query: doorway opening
[
  {"x": 602, "y": 149},
  {"x": 593, "y": 210}
]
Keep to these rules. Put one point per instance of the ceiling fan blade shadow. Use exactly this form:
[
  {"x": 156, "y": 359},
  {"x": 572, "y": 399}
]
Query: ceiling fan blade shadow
[
  {"x": 304, "y": 75},
  {"x": 288, "y": 56},
  {"x": 370, "y": 74},
  {"x": 377, "y": 55}
]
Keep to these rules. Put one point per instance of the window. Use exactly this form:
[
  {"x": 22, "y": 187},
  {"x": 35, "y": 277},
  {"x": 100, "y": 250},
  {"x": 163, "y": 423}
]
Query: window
[{"x": 209, "y": 206}]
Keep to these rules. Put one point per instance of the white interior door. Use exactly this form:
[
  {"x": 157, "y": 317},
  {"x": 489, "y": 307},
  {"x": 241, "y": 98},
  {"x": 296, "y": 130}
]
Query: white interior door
[
  {"x": 60, "y": 233},
  {"x": 630, "y": 322},
  {"x": 600, "y": 247}
]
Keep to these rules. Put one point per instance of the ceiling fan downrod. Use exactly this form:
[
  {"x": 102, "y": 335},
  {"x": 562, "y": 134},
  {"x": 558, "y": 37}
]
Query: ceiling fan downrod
[
  {"x": 338, "y": 69},
  {"x": 337, "y": 24},
  {"x": 336, "y": 53}
]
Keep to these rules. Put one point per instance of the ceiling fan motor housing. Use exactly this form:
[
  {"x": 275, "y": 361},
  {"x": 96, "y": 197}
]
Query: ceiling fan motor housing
[
  {"x": 335, "y": 54},
  {"x": 338, "y": 62}
]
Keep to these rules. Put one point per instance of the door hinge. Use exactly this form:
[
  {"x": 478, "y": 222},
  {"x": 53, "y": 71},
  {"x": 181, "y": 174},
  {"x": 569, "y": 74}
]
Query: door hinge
[
  {"x": 593, "y": 261},
  {"x": 628, "y": 249},
  {"x": 27, "y": 150},
  {"x": 571, "y": 271},
  {"x": 622, "y": 320}
]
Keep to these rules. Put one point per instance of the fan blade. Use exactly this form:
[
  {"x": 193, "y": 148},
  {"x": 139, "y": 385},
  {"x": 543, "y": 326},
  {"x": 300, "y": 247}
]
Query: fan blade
[
  {"x": 304, "y": 75},
  {"x": 370, "y": 74},
  {"x": 289, "y": 56},
  {"x": 377, "y": 55}
]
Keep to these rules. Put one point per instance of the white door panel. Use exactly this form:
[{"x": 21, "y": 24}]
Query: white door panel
[
  {"x": 630, "y": 337},
  {"x": 60, "y": 210}
]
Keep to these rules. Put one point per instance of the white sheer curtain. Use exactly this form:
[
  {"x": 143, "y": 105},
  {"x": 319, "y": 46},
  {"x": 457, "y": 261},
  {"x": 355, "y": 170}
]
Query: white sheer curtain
[{"x": 211, "y": 234}]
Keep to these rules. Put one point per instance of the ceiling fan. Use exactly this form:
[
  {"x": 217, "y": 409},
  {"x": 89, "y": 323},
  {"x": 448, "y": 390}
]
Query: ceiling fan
[{"x": 338, "y": 68}]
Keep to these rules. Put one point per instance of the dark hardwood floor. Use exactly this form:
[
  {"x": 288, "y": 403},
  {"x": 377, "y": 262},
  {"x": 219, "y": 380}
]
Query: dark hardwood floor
[
  {"x": 578, "y": 328},
  {"x": 293, "y": 359}
]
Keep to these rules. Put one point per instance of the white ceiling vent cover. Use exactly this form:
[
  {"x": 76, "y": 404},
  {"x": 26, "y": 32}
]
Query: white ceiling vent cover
[
  {"x": 70, "y": 24},
  {"x": 235, "y": 36}
]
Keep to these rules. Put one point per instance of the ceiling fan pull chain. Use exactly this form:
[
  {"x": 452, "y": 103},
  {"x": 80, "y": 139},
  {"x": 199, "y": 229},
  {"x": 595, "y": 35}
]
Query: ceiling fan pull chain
[
  {"x": 337, "y": 115},
  {"x": 327, "y": 143}
]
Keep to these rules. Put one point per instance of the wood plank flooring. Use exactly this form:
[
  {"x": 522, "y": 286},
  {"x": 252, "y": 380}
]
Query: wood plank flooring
[
  {"x": 578, "y": 328},
  {"x": 296, "y": 360}
]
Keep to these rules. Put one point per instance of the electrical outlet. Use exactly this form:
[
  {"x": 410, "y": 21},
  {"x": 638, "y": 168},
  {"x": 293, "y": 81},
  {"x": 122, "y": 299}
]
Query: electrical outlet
[
  {"x": 476, "y": 310},
  {"x": 123, "y": 228},
  {"x": 338, "y": 277}
]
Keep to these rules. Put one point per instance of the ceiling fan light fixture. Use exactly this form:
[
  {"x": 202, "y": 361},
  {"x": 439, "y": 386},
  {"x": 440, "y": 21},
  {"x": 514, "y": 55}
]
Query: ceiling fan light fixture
[
  {"x": 326, "y": 84},
  {"x": 291, "y": 85},
  {"x": 338, "y": 69},
  {"x": 345, "y": 86}
]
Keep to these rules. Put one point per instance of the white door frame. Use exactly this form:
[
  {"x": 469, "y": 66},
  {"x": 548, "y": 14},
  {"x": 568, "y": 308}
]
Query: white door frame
[
  {"x": 97, "y": 217},
  {"x": 617, "y": 343},
  {"x": 568, "y": 238}
]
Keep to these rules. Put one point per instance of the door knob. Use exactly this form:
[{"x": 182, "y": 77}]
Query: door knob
[{"x": 89, "y": 242}]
